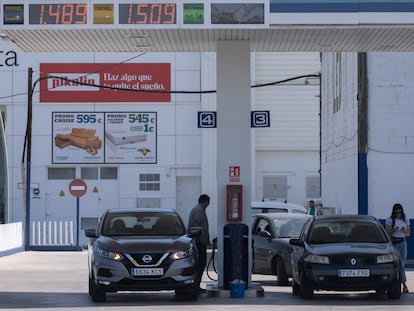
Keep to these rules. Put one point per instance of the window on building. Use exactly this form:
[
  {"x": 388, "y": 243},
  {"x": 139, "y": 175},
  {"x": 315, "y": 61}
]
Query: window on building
[
  {"x": 61, "y": 173},
  {"x": 313, "y": 187},
  {"x": 89, "y": 172},
  {"x": 95, "y": 173},
  {"x": 275, "y": 187},
  {"x": 109, "y": 172},
  {"x": 149, "y": 182}
]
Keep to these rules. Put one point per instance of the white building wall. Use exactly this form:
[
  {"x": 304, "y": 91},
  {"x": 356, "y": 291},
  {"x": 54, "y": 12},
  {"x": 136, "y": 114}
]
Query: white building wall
[
  {"x": 339, "y": 132},
  {"x": 291, "y": 145},
  {"x": 391, "y": 132},
  {"x": 178, "y": 138}
]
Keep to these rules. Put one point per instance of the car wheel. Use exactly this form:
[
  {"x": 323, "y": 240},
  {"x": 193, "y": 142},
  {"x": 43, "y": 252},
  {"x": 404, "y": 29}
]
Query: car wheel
[
  {"x": 395, "y": 291},
  {"x": 96, "y": 293},
  {"x": 295, "y": 288},
  {"x": 306, "y": 290},
  {"x": 282, "y": 278}
]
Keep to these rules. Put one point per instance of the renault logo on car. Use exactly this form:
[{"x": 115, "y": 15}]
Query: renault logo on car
[
  {"x": 146, "y": 258},
  {"x": 353, "y": 261}
]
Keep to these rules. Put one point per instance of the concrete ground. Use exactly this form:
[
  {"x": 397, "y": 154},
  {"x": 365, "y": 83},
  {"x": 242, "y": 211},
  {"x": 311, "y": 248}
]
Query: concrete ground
[{"x": 59, "y": 281}]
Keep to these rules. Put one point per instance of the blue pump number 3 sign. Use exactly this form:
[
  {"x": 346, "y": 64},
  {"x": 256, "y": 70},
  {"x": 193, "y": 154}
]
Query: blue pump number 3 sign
[{"x": 260, "y": 118}]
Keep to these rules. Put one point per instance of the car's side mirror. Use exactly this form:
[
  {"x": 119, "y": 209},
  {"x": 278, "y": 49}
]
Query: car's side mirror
[
  {"x": 296, "y": 242},
  {"x": 195, "y": 231},
  {"x": 91, "y": 233}
]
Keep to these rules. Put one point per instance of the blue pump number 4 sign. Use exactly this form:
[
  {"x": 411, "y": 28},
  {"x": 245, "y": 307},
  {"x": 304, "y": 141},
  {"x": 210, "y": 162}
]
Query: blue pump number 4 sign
[{"x": 207, "y": 119}]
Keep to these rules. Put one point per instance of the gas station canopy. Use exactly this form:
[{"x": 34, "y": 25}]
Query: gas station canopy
[{"x": 196, "y": 26}]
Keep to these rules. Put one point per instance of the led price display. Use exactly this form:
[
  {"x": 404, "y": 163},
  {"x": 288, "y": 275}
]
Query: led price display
[
  {"x": 148, "y": 13},
  {"x": 58, "y": 14}
]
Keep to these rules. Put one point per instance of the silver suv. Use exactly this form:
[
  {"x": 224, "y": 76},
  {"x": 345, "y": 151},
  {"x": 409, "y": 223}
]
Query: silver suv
[{"x": 144, "y": 249}]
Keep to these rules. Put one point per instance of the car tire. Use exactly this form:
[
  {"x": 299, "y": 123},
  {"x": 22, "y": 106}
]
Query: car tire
[
  {"x": 282, "y": 278},
  {"x": 96, "y": 293},
  {"x": 395, "y": 291},
  {"x": 306, "y": 290},
  {"x": 295, "y": 288}
]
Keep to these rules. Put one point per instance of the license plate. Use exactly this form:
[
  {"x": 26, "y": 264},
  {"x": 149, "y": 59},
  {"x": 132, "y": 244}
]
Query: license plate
[
  {"x": 146, "y": 271},
  {"x": 353, "y": 273}
]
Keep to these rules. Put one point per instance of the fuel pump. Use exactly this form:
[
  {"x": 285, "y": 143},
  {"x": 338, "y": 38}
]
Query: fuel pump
[{"x": 235, "y": 239}]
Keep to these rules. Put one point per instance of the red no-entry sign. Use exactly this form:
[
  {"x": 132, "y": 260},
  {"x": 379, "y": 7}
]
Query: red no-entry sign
[{"x": 77, "y": 187}]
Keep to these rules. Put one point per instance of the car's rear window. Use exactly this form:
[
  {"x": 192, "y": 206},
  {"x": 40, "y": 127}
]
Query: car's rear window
[
  {"x": 142, "y": 224},
  {"x": 346, "y": 232}
]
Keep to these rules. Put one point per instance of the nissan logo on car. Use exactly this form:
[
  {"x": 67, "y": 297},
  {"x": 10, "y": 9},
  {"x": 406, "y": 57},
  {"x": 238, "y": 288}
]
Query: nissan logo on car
[{"x": 146, "y": 258}]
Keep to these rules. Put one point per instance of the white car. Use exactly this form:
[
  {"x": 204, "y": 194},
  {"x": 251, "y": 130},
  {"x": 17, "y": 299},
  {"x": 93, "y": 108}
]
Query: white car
[{"x": 276, "y": 207}]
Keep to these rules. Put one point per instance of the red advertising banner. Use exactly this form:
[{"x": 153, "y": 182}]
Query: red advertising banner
[{"x": 105, "y": 82}]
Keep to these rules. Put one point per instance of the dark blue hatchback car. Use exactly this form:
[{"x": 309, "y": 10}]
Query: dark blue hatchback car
[{"x": 344, "y": 253}]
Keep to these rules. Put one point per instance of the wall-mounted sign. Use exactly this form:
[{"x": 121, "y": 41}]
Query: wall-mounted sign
[
  {"x": 104, "y": 137},
  {"x": 131, "y": 137},
  {"x": 207, "y": 119},
  {"x": 102, "y": 82},
  {"x": 260, "y": 118},
  {"x": 234, "y": 174},
  {"x": 78, "y": 137},
  {"x": 58, "y": 14}
]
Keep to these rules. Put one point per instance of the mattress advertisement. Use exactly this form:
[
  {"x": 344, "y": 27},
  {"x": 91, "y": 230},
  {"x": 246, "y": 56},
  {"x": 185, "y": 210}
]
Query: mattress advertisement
[
  {"x": 130, "y": 137},
  {"x": 104, "y": 137}
]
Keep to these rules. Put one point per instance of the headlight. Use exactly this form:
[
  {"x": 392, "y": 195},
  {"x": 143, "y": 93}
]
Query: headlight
[
  {"x": 387, "y": 258},
  {"x": 317, "y": 259},
  {"x": 181, "y": 254},
  {"x": 108, "y": 254}
]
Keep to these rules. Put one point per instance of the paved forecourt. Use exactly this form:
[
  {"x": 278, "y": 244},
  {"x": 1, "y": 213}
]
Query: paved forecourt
[{"x": 59, "y": 280}]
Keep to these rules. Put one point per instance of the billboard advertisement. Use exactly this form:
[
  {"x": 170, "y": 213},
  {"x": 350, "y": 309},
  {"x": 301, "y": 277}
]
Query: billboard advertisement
[
  {"x": 105, "y": 82},
  {"x": 104, "y": 137}
]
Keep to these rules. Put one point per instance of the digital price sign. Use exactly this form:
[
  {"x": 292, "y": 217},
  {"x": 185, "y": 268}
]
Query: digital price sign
[
  {"x": 58, "y": 14},
  {"x": 148, "y": 13}
]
